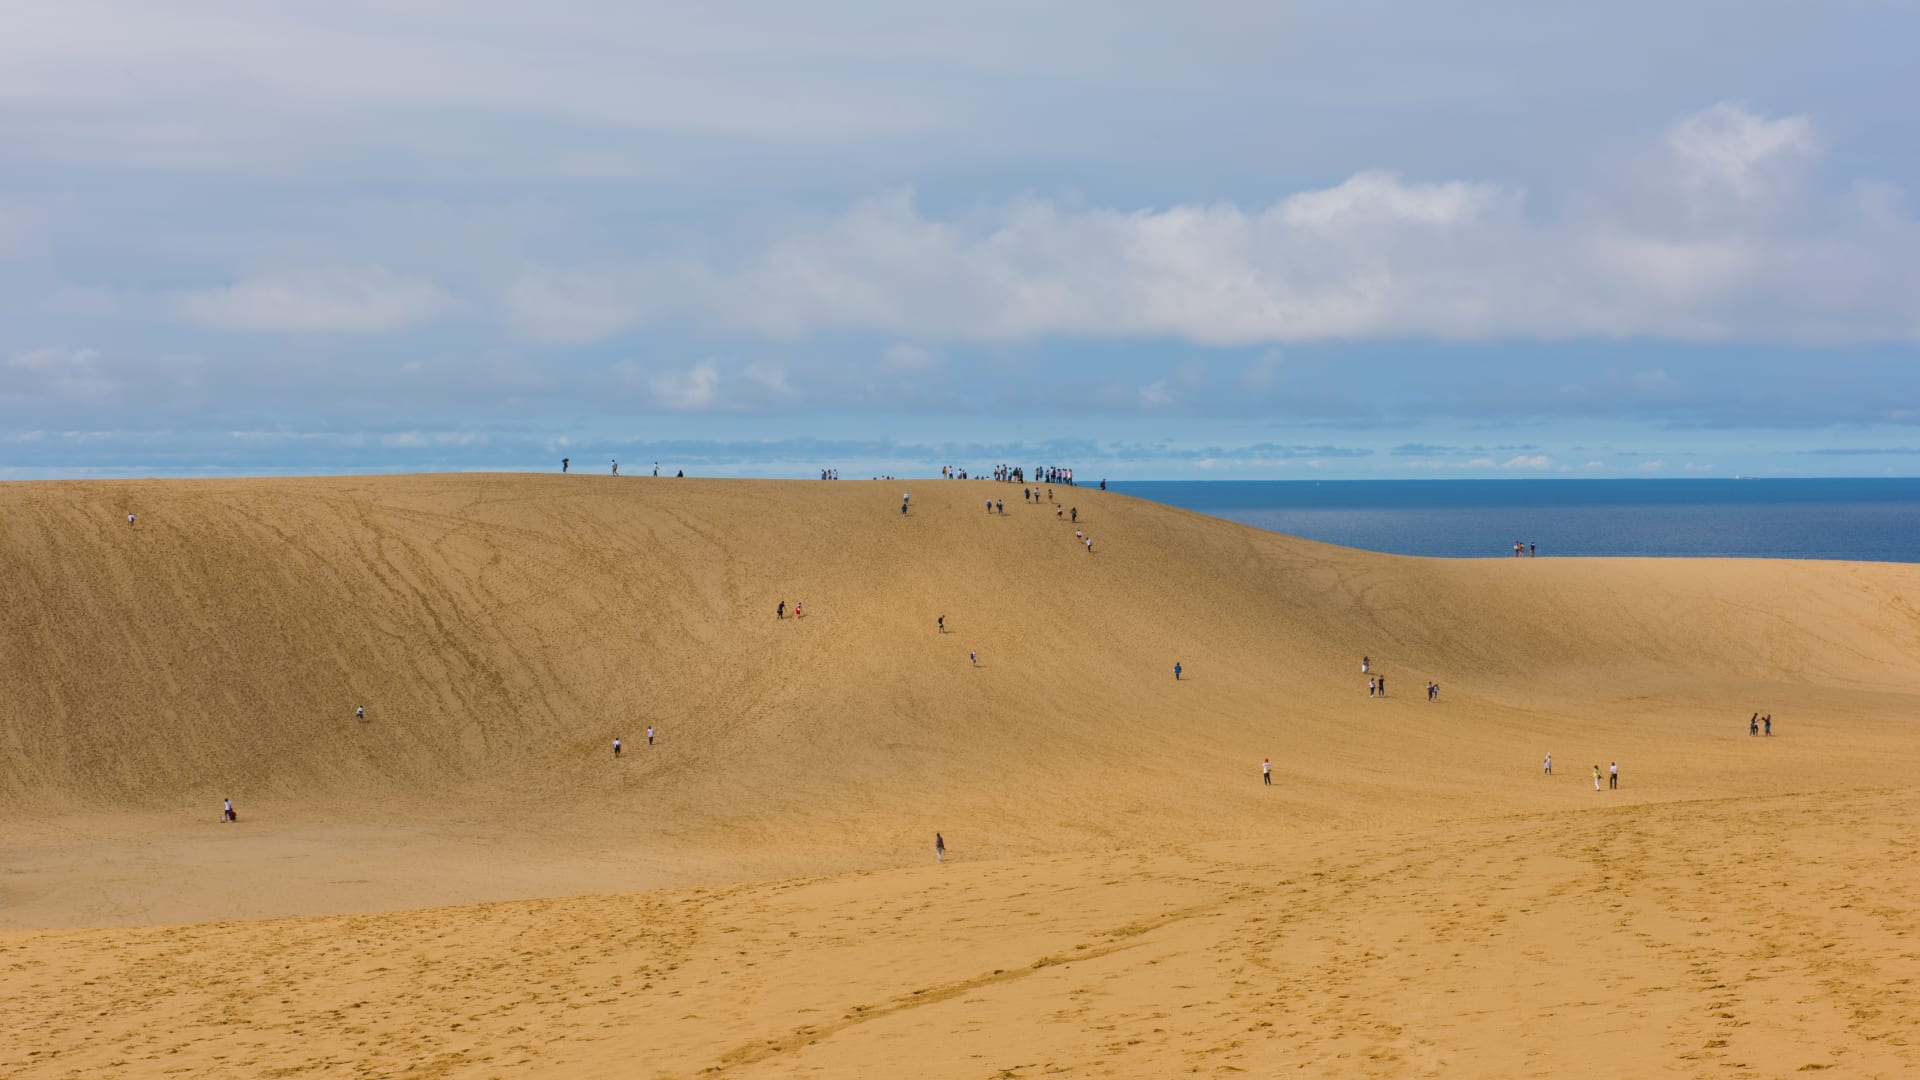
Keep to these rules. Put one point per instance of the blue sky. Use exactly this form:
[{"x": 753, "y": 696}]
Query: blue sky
[{"x": 1149, "y": 241}]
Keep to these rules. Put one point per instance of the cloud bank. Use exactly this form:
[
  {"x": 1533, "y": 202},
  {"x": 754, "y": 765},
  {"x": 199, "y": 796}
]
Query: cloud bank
[{"x": 1721, "y": 240}]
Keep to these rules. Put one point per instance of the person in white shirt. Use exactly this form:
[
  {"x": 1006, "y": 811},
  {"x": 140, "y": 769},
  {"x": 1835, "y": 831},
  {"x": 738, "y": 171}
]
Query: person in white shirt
[
  {"x": 1546, "y": 766},
  {"x": 616, "y": 747},
  {"x": 1266, "y": 771},
  {"x": 649, "y": 734}
]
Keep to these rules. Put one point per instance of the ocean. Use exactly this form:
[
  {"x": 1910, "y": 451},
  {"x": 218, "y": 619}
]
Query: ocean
[{"x": 1864, "y": 520}]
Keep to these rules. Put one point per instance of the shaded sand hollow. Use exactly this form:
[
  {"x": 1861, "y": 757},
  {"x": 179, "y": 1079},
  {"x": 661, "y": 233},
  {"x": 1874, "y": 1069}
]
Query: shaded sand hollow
[{"x": 466, "y": 883}]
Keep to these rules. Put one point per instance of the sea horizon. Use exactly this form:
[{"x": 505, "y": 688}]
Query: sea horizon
[{"x": 1866, "y": 519}]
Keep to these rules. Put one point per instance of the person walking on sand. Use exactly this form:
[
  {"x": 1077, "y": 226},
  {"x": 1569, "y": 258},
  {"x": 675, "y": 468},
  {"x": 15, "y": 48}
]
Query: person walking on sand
[
  {"x": 227, "y": 814},
  {"x": 780, "y": 610},
  {"x": 1546, "y": 766},
  {"x": 1075, "y": 514},
  {"x": 797, "y": 606},
  {"x": 1366, "y": 664},
  {"x": 649, "y": 734},
  {"x": 1266, "y": 772},
  {"x": 616, "y": 746},
  {"x": 1753, "y": 725},
  {"x": 1383, "y": 686},
  {"x": 1767, "y": 722},
  {"x": 1176, "y": 671},
  {"x": 1613, "y": 776},
  {"x": 1596, "y": 778},
  {"x": 940, "y": 624},
  {"x": 129, "y": 521},
  {"x": 939, "y": 848},
  {"x": 973, "y": 656},
  {"x": 359, "y": 712},
  {"x": 1372, "y": 687}
]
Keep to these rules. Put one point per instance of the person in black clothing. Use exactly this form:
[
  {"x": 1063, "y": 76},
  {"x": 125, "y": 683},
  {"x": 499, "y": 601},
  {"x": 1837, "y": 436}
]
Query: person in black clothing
[{"x": 564, "y": 463}]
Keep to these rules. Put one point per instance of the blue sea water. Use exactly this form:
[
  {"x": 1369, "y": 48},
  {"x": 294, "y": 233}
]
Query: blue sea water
[{"x": 1867, "y": 520}]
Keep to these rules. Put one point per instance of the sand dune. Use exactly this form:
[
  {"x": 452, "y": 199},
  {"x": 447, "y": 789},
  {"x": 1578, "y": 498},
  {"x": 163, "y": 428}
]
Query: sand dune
[{"x": 754, "y": 893}]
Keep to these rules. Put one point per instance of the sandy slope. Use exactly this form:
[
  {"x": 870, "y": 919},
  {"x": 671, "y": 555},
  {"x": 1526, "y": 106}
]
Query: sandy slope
[{"x": 1124, "y": 896}]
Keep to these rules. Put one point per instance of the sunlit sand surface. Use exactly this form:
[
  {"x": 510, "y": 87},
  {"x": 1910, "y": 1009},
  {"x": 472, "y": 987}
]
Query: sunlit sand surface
[{"x": 466, "y": 883}]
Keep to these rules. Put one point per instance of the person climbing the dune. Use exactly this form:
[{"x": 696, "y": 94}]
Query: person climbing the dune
[
  {"x": 616, "y": 746},
  {"x": 1266, "y": 772},
  {"x": 1176, "y": 671},
  {"x": 227, "y": 814}
]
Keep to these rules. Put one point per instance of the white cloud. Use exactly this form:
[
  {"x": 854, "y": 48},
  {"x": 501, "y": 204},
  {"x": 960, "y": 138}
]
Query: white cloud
[
  {"x": 1379, "y": 198},
  {"x": 1727, "y": 148},
  {"x": 355, "y": 302},
  {"x": 692, "y": 390},
  {"x": 1651, "y": 466},
  {"x": 770, "y": 378}
]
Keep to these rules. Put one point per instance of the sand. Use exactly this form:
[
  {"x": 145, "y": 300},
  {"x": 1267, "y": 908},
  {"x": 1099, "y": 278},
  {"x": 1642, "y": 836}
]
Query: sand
[{"x": 466, "y": 883}]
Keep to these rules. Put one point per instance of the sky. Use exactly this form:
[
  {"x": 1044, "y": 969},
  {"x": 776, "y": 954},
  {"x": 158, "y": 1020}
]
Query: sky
[{"x": 1149, "y": 241}]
